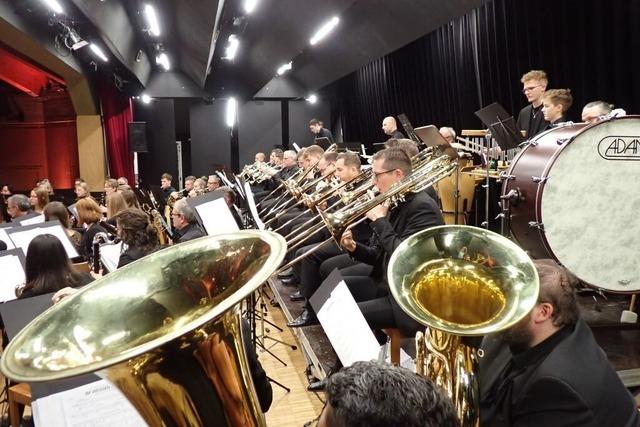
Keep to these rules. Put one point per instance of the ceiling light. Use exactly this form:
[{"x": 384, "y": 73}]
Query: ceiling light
[
  {"x": 232, "y": 47},
  {"x": 163, "y": 61},
  {"x": 313, "y": 98},
  {"x": 324, "y": 30},
  {"x": 146, "y": 99},
  {"x": 152, "y": 20},
  {"x": 284, "y": 68},
  {"x": 250, "y": 5},
  {"x": 54, "y": 5},
  {"x": 232, "y": 105},
  {"x": 98, "y": 52}
]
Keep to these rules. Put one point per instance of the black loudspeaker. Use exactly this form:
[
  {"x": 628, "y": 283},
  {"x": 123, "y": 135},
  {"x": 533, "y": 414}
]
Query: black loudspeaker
[{"x": 138, "y": 137}]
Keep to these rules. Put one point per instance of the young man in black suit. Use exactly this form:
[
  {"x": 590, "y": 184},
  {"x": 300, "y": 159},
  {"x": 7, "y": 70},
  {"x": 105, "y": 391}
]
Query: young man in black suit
[
  {"x": 531, "y": 120},
  {"x": 548, "y": 370}
]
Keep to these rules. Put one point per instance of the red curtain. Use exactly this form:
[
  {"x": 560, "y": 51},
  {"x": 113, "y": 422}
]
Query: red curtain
[{"x": 117, "y": 112}]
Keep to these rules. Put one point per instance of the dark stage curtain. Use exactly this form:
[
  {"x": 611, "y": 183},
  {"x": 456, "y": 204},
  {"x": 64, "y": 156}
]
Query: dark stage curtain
[
  {"x": 588, "y": 46},
  {"x": 117, "y": 112}
]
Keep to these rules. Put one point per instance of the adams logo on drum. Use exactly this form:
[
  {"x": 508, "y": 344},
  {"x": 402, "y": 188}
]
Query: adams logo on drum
[{"x": 620, "y": 148}]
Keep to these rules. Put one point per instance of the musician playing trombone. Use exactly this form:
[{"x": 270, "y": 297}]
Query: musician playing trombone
[{"x": 390, "y": 227}]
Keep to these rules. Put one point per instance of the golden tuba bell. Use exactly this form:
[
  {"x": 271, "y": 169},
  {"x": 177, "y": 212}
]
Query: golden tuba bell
[
  {"x": 165, "y": 330},
  {"x": 460, "y": 281}
]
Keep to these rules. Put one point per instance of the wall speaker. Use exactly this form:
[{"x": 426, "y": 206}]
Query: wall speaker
[{"x": 138, "y": 137}]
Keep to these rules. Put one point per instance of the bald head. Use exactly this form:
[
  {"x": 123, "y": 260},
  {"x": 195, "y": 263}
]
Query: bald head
[{"x": 389, "y": 125}]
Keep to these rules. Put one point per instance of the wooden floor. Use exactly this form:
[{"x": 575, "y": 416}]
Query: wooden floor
[{"x": 299, "y": 405}]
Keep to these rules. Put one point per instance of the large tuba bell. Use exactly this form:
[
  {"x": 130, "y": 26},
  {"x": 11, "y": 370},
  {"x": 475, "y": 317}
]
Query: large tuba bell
[
  {"x": 165, "y": 330},
  {"x": 460, "y": 281}
]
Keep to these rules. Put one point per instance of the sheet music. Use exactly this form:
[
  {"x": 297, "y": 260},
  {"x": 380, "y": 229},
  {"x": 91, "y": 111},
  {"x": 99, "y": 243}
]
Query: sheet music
[
  {"x": 296, "y": 146},
  {"x": 12, "y": 276},
  {"x": 347, "y": 328},
  {"x": 5, "y": 237},
  {"x": 223, "y": 177},
  {"x": 110, "y": 255},
  {"x": 97, "y": 404},
  {"x": 252, "y": 206},
  {"x": 21, "y": 238},
  {"x": 35, "y": 220},
  {"x": 216, "y": 217}
]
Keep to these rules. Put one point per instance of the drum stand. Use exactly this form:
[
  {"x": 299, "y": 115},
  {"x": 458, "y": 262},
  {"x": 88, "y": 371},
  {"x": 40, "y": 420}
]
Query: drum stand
[{"x": 487, "y": 183}]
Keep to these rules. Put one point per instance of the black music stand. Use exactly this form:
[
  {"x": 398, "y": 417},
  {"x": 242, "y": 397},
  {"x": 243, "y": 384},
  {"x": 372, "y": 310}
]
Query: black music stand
[
  {"x": 502, "y": 126},
  {"x": 408, "y": 127},
  {"x": 431, "y": 137},
  {"x": 323, "y": 142}
]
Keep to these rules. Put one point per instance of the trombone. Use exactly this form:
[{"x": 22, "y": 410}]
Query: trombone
[{"x": 349, "y": 216}]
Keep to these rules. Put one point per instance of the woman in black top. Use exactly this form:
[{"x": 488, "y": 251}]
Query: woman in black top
[
  {"x": 89, "y": 216},
  {"x": 48, "y": 268},
  {"x": 137, "y": 234}
]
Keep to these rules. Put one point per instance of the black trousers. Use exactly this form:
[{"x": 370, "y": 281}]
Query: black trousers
[{"x": 384, "y": 312}]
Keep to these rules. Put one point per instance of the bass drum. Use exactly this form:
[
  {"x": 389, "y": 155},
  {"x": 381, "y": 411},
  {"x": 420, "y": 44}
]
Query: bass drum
[{"x": 574, "y": 196}]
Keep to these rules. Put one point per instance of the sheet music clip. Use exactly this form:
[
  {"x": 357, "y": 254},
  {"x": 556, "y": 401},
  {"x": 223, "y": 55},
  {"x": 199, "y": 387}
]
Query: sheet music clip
[
  {"x": 431, "y": 136},
  {"x": 501, "y": 125}
]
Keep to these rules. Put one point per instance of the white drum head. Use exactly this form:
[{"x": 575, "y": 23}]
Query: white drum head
[{"x": 591, "y": 205}]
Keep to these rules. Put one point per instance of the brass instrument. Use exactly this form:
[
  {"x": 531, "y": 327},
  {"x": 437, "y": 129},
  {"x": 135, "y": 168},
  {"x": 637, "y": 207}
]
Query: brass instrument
[
  {"x": 164, "y": 329},
  {"x": 159, "y": 224},
  {"x": 349, "y": 216},
  {"x": 460, "y": 281}
]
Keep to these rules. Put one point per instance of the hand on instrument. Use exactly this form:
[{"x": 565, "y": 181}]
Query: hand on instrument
[
  {"x": 347, "y": 242},
  {"x": 62, "y": 293},
  {"x": 379, "y": 211},
  {"x": 322, "y": 206},
  {"x": 96, "y": 275}
]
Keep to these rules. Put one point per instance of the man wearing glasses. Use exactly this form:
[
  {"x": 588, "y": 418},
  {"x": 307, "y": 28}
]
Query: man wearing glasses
[{"x": 531, "y": 120}]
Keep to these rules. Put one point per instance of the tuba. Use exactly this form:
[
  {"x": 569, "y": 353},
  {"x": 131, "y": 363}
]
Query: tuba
[
  {"x": 460, "y": 281},
  {"x": 165, "y": 330}
]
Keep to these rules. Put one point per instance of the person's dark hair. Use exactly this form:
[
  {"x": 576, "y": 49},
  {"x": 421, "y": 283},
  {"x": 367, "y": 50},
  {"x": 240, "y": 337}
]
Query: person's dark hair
[
  {"x": 56, "y": 210},
  {"x": 47, "y": 268},
  {"x": 9, "y": 187},
  {"x": 557, "y": 287},
  {"x": 394, "y": 158},
  {"x": 229, "y": 194},
  {"x": 130, "y": 199},
  {"x": 135, "y": 229},
  {"x": 190, "y": 178},
  {"x": 167, "y": 176},
  {"x": 278, "y": 153},
  {"x": 21, "y": 201},
  {"x": 377, "y": 394},
  {"x": 560, "y": 97},
  {"x": 408, "y": 146},
  {"x": 314, "y": 122},
  {"x": 350, "y": 159}
]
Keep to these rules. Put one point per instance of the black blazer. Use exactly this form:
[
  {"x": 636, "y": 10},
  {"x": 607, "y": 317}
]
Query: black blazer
[
  {"x": 190, "y": 232},
  {"x": 573, "y": 385},
  {"x": 418, "y": 212},
  {"x": 528, "y": 123},
  {"x": 86, "y": 242}
]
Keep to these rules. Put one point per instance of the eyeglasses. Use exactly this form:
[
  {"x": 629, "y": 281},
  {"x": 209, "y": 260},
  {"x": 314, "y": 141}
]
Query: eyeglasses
[
  {"x": 377, "y": 174},
  {"x": 529, "y": 88}
]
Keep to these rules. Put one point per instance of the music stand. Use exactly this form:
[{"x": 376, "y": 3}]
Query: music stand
[
  {"x": 408, "y": 127},
  {"x": 502, "y": 126},
  {"x": 323, "y": 142},
  {"x": 431, "y": 136}
]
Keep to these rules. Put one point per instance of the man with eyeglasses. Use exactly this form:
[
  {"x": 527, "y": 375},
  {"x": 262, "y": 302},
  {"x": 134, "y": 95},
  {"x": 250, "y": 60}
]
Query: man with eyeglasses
[
  {"x": 531, "y": 120},
  {"x": 184, "y": 222},
  {"x": 390, "y": 227}
]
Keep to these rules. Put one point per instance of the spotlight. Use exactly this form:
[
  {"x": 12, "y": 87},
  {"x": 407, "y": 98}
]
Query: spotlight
[
  {"x": 232, "y": 47},
  {"x": 232, "y": 105},
  {"x": 163, "y": 61},
  {"x": 54, "y": 5},
  {"x": 324, "y": 30},
  {"x": 250, "y": 5},
  {"x": 312, "y": 99},
  {"x": 152, "y": 20},
  {"x": 146, "y": 99},
  {"x": 98, "y": 52},
  {"x": 284, "y": 68}
]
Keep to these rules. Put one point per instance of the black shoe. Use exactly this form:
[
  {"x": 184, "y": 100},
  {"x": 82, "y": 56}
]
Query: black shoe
[
  {"x": 317, "y": 385},
  {"x": 289, "y": 281},
  {"x": 287, "y": 273},
  {"x": 307, "y": 318},
  {"x": 296, "y": 296}
]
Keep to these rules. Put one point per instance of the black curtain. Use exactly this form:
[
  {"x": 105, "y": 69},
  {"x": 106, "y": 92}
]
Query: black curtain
[{"x": 588, "y": 46}]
